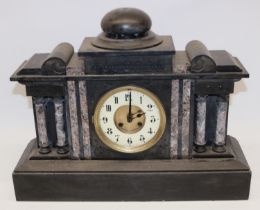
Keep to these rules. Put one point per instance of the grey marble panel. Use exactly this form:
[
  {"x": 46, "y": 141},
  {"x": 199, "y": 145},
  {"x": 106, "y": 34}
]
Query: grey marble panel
[
  {"x": 201, "y": 120},
  {"x": 222, "y": 109},
  {"x": 186, "y": 118},
  {"x": 174, "y": 119},
  {"x": 84, "y": 120},
  {"x": 75, "y": 144}
]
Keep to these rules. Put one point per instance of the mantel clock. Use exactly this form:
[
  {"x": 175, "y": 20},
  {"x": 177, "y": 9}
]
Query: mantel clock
[{"x": 128, "y": 117}]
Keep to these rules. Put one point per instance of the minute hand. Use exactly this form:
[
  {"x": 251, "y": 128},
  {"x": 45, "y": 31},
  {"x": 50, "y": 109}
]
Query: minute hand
[{"x": 129, "y": 116}]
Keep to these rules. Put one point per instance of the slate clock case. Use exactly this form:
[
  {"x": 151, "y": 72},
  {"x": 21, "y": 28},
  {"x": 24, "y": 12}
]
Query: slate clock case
[{"x": 180, "y": 124}]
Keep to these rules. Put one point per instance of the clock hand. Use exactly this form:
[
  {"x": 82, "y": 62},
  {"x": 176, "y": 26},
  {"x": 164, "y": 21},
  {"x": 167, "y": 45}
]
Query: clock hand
[
  {"x": 129, "y": 116},
  {"x": 138, "y": 114}
]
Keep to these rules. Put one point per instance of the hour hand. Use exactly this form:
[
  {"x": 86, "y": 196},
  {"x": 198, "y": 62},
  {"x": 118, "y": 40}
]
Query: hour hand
[{"x": 137, "y": 114}]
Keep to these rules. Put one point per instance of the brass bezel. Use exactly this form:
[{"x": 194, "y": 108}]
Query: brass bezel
[{"x": 120, "y": 148}]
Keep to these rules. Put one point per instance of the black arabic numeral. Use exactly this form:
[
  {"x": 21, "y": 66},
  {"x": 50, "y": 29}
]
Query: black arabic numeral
[
  {"x": 153, "y": 119},
  {"x": 116, "y": 100},
  {"x": 108, "y": 108},
  {"x": 150, "y": 131},
  {"x": 149, "y": 106},
  {"x": 129, "y": 141},
  {"x": 109, "y": 131},
  {"x": 104, "y": 119},
  {"x": 142, "y": 138},
  {"x": 141, "y": 99},
  {"x": 117, "y": 138}
]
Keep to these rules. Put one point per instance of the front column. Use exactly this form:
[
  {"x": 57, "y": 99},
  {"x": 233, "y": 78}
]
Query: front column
[
  {"x": 43, "y": 140},
  {"x": 200, "y": 139},
  {"x": 221, "y": 124},
  {"x": 59, "y": 121}
]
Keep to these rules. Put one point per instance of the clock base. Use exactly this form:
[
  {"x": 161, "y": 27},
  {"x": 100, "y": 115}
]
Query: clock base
[{"x": 132, "y": 180}]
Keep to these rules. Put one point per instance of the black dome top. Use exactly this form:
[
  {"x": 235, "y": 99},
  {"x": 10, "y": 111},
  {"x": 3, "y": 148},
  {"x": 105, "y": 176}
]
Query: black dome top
[{"x": 126, "y": 23}]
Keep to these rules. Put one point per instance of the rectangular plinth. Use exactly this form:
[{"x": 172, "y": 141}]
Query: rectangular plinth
[{"x": 132, "y": 180}]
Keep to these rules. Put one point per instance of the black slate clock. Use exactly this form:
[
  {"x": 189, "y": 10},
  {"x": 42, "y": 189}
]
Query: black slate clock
[{"x": 128, "y": 113}]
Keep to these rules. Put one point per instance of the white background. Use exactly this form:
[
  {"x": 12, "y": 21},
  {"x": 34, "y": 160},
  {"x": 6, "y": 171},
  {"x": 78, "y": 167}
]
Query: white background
[{"x": 29, "y": 26}]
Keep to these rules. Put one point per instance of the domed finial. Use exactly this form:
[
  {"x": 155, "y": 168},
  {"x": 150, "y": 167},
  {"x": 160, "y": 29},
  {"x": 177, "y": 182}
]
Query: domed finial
[{"x": 126, "y": 23}]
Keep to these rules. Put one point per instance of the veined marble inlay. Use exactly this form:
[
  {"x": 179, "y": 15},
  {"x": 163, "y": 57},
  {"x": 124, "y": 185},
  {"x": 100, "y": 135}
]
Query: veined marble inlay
[
  {"x": 77, "y": 92},
  {"x": 84, "y": 119},
  {"x": 174, "y": 119},
  {"x": 75, "y": 153},
  {"x": 186, "y": 118}
]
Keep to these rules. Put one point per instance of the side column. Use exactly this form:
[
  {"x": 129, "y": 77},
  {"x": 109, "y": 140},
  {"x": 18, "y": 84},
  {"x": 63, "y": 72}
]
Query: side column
[
  {"x": 43, "y": 141},
  {"x": 221, "y": 124},
  {"x": 60, "y": 126},
  {"x": 200, "y": 136}
]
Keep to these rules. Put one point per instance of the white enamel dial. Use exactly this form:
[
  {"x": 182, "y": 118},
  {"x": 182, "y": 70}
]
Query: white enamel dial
[{"x": 129, "y": 125}]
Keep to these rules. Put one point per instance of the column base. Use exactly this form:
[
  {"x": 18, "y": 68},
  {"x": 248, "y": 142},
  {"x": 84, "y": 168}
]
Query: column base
[
  {"x": 44, "y": 150},
  {"x": 200, "y": 148},
  {"x": 63, "y": 150},
  {"x": 219, "y": 148},
  {"x": 62, "y": 179}
]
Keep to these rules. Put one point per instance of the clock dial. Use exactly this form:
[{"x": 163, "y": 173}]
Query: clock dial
[{"x": 129, "y": 119}]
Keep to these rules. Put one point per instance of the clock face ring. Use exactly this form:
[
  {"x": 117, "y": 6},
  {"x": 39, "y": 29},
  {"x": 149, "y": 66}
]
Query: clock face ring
[{"x": 129, "y": 119}]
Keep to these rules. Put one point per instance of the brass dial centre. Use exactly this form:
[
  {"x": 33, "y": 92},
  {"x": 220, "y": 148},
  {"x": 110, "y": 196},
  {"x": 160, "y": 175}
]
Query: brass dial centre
[{"x": 135, "y": 125}]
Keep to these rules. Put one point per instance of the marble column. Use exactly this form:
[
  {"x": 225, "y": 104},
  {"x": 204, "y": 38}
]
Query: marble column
[
  {"x": 201, "y": 102},
  {"x": 221, "y": 122},
  {"x": 43, "y": 141},
  {"x": 60, "y": 125}
]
